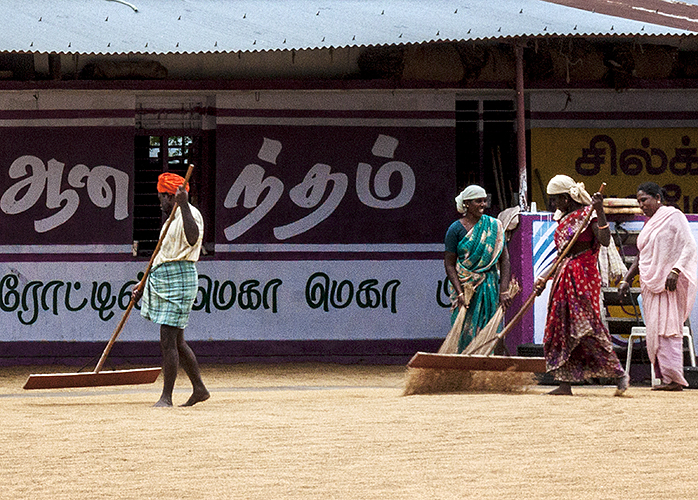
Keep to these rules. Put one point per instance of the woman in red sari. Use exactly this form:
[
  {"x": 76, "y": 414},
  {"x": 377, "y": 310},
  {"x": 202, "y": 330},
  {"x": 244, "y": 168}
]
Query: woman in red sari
[{"x": 576, "y": 344}]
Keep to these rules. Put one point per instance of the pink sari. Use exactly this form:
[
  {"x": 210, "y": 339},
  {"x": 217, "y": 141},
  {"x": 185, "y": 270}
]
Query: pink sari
[{"x": 665, "y": 243}]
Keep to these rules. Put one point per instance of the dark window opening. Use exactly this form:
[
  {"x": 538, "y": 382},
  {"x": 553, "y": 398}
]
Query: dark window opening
[
  {"x": 156, "y": 154},
  {"x": 486, "y": 150}
]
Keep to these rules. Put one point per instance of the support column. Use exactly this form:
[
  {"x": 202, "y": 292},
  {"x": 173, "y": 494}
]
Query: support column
[{"x": 521, "y": 129}]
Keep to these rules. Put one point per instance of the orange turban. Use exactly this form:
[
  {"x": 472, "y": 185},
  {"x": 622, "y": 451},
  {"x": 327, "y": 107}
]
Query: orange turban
[{"x": 169, "y": 182}]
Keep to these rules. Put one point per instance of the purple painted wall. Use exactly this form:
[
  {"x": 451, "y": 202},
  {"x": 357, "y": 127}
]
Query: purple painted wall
[
  {"x": 334, "y": 184},
  {"x": 522, "y": 268},
  {"x": 67, "y": 185}
]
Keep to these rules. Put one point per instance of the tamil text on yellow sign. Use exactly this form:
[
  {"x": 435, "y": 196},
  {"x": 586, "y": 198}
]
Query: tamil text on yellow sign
[{"x": 622, "y": 158}]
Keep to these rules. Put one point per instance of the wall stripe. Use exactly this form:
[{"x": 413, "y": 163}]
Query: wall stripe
[
  {"x": 335, "y": 117},
  {"x": 336, "y": 122},
  {"x": 35, "y": 114},
  {"x": 291, "y": 247},
  {"x": 79, "y": 122},
  {"x": 335, "y": 113},
  {"x": 65, "y": 249}
]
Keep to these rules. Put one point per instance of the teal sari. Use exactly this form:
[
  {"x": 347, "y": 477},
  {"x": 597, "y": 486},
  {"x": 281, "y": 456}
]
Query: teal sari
[{"x": 478, "y": 253}]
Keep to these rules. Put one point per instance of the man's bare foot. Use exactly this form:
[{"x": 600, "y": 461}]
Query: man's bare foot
[
  {"x": 163, "y": 403},
  {"x": 562, "y": 390},
  {"x": 197, "y": 397}
]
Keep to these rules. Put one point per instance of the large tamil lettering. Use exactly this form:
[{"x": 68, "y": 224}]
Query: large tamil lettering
[
  {"x": 650, "y": 161},
  {"x": 27, "y": 300},
  {"x": 635, "y": 161},
  {"x": 321, "y": 191},
  {"x": 623, "y": 158},
  {"x": 37, "y": 178}
]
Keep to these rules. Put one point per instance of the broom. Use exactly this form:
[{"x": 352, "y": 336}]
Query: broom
[
  {"x": 484, "y": 341},
  {"x": 430, "y": 380},
  {"x": 450, "y": 343},
  {"x": 486, "y": 376}
]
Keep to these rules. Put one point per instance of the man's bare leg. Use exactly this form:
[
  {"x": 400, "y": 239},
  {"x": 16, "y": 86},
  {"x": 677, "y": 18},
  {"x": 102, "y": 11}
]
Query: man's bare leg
[
  {"x": 191, "y": 368},
  {"x": 170, "y": 363}
]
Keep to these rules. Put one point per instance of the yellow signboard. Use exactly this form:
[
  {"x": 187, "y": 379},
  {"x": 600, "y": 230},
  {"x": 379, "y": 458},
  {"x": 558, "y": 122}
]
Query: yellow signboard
[{"x": 623, "y": 158}]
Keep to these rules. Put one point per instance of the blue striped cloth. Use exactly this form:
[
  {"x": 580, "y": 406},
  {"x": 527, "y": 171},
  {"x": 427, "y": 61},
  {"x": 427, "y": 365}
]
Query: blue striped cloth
[{"x": 170, "y": 292}]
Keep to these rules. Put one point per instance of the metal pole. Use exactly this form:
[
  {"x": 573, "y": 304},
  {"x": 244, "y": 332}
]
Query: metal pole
[{"x": 521, "y": 129}]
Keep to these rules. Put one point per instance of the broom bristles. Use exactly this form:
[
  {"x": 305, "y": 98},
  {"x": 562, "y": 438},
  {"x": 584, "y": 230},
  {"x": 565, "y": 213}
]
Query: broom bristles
[
  {"x": 483, "y": 343},
  {"x": 450, "y": 343},
  {"x": 432, "y": 381},
  {"x": 439, "y": 381}
]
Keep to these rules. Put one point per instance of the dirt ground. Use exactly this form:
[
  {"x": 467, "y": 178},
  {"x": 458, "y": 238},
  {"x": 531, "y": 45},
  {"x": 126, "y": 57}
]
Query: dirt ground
[{"x": 342, "y": 432}]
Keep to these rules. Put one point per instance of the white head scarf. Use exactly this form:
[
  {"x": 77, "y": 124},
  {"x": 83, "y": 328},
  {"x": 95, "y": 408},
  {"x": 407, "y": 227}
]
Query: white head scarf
[
  {"x": 564, "y": 184},
  {"x": 561, "y": 184},
  {"x": 472, "y": 192}
]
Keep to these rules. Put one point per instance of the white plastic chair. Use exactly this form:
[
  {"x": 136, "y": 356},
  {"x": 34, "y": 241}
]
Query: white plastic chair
[{"x": 639, "y": 332}]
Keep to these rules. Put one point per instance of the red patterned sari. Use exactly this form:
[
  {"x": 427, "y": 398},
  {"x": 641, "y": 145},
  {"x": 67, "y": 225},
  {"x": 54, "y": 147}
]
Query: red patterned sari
[{"x": 577, "y": 345}]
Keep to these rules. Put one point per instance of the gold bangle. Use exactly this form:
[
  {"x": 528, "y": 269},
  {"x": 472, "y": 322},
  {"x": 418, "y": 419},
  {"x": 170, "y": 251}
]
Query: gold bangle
[
  {"x": 623, "y": 281},
  {"x": 602, "y": 227},
  {"x": 675, "y": 272}
]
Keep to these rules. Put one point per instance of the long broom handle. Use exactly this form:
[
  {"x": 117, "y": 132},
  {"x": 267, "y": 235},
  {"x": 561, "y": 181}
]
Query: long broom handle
[
  {"x": 141, "y": 284},
  {"x": 551, "y": 271}
]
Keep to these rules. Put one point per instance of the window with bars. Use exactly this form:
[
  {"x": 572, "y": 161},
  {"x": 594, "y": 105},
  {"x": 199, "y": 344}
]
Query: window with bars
[{"x": 155, "y": 154}]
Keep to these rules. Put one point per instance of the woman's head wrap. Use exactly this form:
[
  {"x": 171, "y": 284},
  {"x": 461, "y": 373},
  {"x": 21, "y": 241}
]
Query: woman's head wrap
[
  {"x": 564, "y": 184},
  {"x": 169, "y": 182},
  {"x": 472, "y": 192}
]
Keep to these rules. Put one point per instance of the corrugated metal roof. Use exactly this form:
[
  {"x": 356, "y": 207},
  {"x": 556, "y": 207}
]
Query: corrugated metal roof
[
  {"x": 193, "y": 26},
  {"x": 683, "y": 15}
]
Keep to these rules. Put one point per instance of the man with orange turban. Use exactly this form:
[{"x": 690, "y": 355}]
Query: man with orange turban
[
  {"x": 169, "y": 182},
  {"x": 172, "y": 285}
]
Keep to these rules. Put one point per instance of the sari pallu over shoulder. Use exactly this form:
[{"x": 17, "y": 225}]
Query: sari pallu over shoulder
[
  {"x": 665, "y": 243},
  {"x": 568, "y": 226},
  {"x": 478, "y": 253}
]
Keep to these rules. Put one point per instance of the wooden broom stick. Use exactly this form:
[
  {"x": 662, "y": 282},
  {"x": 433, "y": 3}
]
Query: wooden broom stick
[{"x": 141, "y": 284}]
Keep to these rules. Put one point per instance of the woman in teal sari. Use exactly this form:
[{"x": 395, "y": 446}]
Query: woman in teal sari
[{"x": 475, "y": 249}]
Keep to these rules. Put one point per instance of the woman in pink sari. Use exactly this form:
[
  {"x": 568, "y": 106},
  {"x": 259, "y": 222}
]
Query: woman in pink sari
[
  {"x": 576, "y": 343},
  {"x": 667, "y": 263}
]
